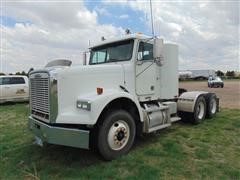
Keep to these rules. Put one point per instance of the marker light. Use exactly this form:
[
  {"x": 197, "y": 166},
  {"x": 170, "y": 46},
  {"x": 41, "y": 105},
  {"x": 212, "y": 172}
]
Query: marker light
[{"x": 99, "y": 90}]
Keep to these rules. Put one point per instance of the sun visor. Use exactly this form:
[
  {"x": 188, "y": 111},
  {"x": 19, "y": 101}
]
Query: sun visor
[{"x": 59, "y": 62}]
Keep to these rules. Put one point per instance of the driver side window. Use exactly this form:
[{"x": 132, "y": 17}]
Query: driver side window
[
  {"x": 145, "y": 51},
  {"x": 99, "y": 56}
]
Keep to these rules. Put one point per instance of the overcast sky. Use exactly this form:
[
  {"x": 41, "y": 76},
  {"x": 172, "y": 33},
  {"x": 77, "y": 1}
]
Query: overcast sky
[{"x": 36, "y": 32}]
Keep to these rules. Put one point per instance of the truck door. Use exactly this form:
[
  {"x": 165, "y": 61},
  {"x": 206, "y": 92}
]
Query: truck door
[
  {"x": 5, "y": 88},
  {"x": 19, "y": 88},
  {"x": 145, "y": 70}
]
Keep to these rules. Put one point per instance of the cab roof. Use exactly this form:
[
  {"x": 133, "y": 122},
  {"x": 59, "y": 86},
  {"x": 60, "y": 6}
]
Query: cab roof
[{"x": 121, "y": 38}]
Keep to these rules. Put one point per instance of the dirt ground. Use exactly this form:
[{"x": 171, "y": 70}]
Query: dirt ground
[{"x": 229, "y": 95}]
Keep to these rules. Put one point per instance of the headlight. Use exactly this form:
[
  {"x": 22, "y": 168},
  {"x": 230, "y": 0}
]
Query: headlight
[{"x": 86, "y": 105}]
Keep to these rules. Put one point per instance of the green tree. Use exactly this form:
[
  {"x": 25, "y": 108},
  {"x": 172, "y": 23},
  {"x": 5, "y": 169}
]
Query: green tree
[
  {"x": 230, "y": 74},
  {"x": 23, "y": 73},
  {"x": 219, "y": 73}
]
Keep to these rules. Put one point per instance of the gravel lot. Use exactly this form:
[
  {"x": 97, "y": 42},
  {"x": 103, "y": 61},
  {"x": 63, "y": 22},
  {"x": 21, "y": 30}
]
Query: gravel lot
[{"x": 229, "y": 95}]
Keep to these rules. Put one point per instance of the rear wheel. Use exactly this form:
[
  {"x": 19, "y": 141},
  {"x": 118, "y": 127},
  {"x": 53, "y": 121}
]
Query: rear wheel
[
  {"x": 199, "y": 112},
  {"x": 212, "y": 105},
  {"x": 184, "y": 116},
  {"x": 116, "y": 134}
]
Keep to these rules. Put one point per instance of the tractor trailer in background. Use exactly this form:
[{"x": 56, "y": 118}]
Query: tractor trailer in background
[
  {"x": 197, "y": 74},
  {"x": 129, "y": 88},
  {"x": 203, "y": 74}
]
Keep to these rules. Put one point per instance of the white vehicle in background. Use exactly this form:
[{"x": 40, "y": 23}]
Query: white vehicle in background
[
  {"x": 14, "y": 88},
  {"x": 215, "y": 82}
]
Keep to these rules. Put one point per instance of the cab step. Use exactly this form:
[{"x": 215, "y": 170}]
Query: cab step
[
  {"x": 174, "y": 119},
  {"x": 152, "y": 129}
]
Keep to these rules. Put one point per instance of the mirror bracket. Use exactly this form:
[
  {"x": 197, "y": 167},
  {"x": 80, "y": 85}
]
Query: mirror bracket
[{"x": 158, "y": 51}]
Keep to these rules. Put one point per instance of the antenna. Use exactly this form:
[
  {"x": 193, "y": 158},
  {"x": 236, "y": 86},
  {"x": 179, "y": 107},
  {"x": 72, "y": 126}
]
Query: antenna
[{"x": 152, "y": 18}]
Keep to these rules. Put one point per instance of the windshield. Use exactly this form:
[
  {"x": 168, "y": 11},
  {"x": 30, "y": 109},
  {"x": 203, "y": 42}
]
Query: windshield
[
  {"x": 215, "y": 78},
  {"x": 120, "y": 51},
  {"x": 218, "y": 78}
]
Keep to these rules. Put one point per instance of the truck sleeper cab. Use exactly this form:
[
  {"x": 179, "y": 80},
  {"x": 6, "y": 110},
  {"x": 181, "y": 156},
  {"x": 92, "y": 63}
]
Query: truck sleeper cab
[{"x": 129, "y": 87}]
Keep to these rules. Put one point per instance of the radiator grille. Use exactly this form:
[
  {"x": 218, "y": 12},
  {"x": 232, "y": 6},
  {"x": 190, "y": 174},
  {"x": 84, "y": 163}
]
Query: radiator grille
[{"x": 39, "y": 96}]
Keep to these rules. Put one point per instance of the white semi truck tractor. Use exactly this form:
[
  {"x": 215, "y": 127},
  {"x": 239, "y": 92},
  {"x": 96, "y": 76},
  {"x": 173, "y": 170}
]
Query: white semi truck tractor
[{"x": 129, "y": 88}]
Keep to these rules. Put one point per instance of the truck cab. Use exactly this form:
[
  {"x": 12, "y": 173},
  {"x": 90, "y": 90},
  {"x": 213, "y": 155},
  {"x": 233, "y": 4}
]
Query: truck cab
[{"x": 129, "y": 87}]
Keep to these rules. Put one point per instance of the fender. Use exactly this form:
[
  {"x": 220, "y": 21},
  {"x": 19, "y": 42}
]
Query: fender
[
  {"x": 187, "y": 100},
  {"x": 97, "y": 104}
]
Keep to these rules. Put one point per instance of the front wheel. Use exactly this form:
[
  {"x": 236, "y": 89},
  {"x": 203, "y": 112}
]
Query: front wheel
[{"x": 116, "y": 134}]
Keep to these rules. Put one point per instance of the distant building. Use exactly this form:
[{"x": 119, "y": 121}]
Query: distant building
[{"x": 185, "y": 75}]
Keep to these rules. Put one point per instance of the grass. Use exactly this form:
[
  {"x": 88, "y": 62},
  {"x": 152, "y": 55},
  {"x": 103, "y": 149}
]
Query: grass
[{"x": 210, "y": 150}]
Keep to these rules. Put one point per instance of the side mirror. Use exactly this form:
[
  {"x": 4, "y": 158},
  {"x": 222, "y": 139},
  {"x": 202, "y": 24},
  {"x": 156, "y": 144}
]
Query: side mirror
[
  {"x": 158, "y": 51},
  {"x": 30, "y": 70},
  {"x": 84, "y": 58}
]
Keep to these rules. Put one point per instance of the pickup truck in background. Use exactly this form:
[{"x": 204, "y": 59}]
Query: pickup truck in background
[
  {"x": 215, "y": 82},
  {"x": 14, "y": 88}
]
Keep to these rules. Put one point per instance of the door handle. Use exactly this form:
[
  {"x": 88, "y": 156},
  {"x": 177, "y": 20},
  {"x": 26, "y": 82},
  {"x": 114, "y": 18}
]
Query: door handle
[{"x": 7, "y": 87}]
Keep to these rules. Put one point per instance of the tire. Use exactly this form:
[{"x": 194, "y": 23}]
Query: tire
[
  {"x": 116, "y": 134},
  {"x": 199, "y": 112},
  {"x": 222, "y": 86},
  {"x": 184, "y": 116},
  {"x": 212, "y": 105}
]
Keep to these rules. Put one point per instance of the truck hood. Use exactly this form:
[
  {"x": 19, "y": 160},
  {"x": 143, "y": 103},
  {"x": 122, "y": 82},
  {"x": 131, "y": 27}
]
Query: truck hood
[
  {"x": 52, "y": 71},
  {"x": 75, "y": 82},
  {"x": 99, "y": 72}
]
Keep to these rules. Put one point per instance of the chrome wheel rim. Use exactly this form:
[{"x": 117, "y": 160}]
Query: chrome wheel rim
[
  {"x": 118, "y": 135},
  {"x": 200, "y": 110},
  {"x": 213, "y": 106}
]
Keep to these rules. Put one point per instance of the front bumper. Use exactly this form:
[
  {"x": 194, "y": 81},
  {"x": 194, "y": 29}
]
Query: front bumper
[
  {"x": 59, "y": 135},
  {"x": 217, "y": 84}
]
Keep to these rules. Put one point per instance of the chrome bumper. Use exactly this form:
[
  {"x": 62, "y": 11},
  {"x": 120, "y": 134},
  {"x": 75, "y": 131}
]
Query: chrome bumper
[{"x": 59, "y": 135}]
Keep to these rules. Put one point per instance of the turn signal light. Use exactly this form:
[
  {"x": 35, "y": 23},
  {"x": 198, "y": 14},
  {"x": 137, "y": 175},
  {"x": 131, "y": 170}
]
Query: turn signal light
[{"x": 99, "y": 90}]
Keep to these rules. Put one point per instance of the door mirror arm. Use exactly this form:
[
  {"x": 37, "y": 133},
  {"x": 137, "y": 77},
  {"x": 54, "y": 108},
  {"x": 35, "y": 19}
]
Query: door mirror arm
[
  {"x": 158, "y": 51},
  {"x": 159, "y": 60}
]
